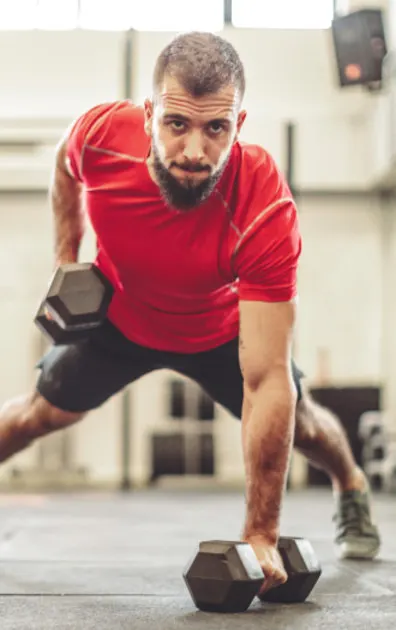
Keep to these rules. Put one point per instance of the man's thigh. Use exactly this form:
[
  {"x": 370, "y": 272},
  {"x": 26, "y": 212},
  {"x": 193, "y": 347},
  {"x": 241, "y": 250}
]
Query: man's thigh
[
  {"x": 219, "y": 374},
  {"x": 82, "y": 376}
]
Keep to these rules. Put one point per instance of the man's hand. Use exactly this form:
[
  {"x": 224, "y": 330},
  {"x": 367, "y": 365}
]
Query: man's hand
[{"x": 270, "y": 561}]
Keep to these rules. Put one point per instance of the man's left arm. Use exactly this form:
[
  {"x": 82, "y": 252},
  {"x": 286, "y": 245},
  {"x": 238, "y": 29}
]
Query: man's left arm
[
  {"x": 266, "y": 330},
  {"x": 265, "y": 261}
]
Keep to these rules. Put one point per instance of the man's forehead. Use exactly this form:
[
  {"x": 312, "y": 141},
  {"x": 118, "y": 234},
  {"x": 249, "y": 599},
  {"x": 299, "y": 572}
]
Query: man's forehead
[{"x": 174, "y": 98}]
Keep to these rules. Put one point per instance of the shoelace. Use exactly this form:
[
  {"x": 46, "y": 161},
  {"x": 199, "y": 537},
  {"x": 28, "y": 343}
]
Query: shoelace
[{"x": 353, "y": 516}]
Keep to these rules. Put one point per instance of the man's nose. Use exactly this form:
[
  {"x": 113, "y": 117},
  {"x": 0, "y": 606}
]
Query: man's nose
[{"x": 194, "y": 147}]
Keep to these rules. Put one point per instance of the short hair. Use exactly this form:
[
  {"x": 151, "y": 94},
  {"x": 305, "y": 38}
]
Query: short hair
[{"x": 203, "y": 63}]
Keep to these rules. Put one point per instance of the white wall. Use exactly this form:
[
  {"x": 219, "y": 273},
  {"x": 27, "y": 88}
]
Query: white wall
[
  {"x": 341, "y": 293},
  {"x": 56, "y": 74},
  {"x": 344, "y": 291},
  {"x": 388, "y": 335},
  {"x": 392, "y": 23}
]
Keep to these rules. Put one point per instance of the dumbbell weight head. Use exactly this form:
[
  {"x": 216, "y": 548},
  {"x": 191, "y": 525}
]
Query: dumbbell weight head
[
  {"x": 302, "y": 567},
  {"x": 77, "y": 301},
  {"x": 223, "y": 576},
  {"x": 78, "y": 296},
  {"x": 56, "y": 333}
]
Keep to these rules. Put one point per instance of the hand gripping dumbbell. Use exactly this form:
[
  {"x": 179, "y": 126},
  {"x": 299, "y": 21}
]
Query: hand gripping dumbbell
[
  {"x": 77, "y": 301},
  {"x": 225, "y": 576}
]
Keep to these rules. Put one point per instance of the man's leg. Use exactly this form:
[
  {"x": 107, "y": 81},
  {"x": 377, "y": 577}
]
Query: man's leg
[
  {"x": 321, "y": 437},
  {"x": 24, "y": 419},
  {"x": 74, "y": 380}
]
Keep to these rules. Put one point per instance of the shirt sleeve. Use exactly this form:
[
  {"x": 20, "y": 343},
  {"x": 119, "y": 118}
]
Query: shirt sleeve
[
  {"x": 84, "y": 130},
  {"x": 267, "y": 252}
]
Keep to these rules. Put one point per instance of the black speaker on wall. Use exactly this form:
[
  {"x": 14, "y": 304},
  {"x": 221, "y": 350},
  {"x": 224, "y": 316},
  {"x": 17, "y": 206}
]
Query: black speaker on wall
[{"x": 360, "y": 47}]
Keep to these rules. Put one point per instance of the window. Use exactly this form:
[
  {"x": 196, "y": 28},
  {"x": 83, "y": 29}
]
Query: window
[
  {"x": 112, "y": 15},
  {"x": 106, "y": 15},
  {"x": 178, "y": 15},
  {"x": 282, "y": 14},
  {"x": 156, "y": 15},
  {"x": 17, "y": 15},
  {"x": 22, "y": 15},
  {"x": 342, "y": 7},
  {"x": 56, "y": 14}
]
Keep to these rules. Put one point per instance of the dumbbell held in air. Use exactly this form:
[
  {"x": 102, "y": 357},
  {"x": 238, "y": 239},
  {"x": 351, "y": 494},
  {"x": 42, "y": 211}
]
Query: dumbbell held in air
[
  {"x": 225, "y": 576},
  {"x": 77, "y": 301}
]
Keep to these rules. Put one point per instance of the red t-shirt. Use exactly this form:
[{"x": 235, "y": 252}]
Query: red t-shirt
[{"x": 178, "y": 276}]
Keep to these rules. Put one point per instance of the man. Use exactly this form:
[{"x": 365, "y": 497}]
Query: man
[{"x": 199, "y": 235}]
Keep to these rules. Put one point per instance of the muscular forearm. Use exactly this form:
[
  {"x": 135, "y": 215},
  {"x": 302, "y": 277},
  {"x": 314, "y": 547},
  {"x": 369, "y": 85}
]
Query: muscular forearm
[
  {"x": 66, "y": 200},
  {"x": 267, "y": 434}
]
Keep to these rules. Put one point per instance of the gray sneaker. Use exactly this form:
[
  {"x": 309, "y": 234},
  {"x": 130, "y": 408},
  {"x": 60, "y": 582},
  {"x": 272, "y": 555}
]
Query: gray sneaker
[{"x": 356, "y": 535}]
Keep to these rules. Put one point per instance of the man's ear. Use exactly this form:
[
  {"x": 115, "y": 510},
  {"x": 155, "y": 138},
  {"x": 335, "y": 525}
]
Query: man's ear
[
  {"x": 148, "y": 117},
  {"x": 241, "y": 119}
]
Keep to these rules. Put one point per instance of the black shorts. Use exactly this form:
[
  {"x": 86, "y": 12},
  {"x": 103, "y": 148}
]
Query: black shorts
[{"x": 82, "y": 376}]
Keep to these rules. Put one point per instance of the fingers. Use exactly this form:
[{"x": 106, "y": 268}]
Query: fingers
[
  {"x": 271, "y": 564},
  {"x": 273, "y": 578},
  {"x": 270, "y": 583}
]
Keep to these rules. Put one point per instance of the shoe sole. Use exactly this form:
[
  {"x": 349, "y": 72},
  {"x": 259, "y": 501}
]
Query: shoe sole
[{"x": 355, "y": 551}]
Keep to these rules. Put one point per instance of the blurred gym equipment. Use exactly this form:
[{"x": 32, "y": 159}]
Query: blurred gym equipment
[{"x": 360, "y": 47}]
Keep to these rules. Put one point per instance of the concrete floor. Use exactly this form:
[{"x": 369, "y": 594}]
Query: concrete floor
[{"x": 103, "y": 561}]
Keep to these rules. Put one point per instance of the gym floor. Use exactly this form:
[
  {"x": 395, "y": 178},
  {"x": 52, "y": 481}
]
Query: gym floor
[{"x": 108, "y": 561}]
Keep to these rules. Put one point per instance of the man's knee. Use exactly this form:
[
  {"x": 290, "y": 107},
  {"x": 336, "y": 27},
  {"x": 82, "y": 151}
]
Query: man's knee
[{"x": 40, "y": 417}]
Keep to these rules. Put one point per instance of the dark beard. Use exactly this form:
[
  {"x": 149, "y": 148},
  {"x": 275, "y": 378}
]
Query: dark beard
[{"x": 183, "y": 197}]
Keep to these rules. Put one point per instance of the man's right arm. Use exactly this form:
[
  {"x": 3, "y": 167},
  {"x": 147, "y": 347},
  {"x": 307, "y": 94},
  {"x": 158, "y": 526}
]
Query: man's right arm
[
  {"x": 68, "y": 180},
  {"x": 67, "y": 208}
]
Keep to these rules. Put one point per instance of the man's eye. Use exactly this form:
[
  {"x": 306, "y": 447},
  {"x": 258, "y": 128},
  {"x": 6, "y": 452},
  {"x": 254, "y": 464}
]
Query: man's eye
[
  {"x": 177, "y": 125},
  {"x": 216, "y": 127}
]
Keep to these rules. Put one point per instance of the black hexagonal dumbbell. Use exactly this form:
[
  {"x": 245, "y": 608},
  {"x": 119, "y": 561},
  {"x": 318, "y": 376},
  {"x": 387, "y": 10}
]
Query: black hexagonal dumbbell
[
  {"x": 77, "y": 302},
  {"x": 225, "y": 576}
]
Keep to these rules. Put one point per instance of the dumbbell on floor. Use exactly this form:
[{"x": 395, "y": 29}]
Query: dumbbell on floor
[
  {"x": 77, "y": 301},
  {"x": 225, "y": 576}
]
